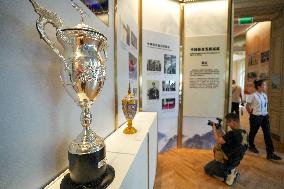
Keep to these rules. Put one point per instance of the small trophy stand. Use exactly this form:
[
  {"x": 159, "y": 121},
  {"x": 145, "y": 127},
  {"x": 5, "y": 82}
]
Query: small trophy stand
[{"x": 129, "y": 129}]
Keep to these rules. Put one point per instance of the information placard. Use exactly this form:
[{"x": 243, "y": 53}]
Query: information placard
[{"x": 204, "y": 76}]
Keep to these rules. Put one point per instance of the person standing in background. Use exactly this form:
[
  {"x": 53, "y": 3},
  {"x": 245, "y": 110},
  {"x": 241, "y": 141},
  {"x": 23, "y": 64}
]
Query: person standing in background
[
  {"x": 236, "y": 97},
  {"x": 257, "y": 108}
]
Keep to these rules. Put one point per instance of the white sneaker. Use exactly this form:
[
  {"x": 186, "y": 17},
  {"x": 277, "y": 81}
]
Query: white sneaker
[{"x": 232, "y": 177}]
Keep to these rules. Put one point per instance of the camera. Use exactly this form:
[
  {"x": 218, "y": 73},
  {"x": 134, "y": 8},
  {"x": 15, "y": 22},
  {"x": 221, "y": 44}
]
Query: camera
[{"x": 217, "y": 125}]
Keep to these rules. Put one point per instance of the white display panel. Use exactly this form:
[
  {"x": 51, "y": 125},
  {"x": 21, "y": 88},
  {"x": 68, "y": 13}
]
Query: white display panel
[
  {"x": 160, "y": 85},
  {"x": 203, "y": 27},
  {"x": 160, "y": 73},
  {"x": 206, "y": 18},
  {"x": 161, "y": 16},
  {"x": 204, "y": 76}
]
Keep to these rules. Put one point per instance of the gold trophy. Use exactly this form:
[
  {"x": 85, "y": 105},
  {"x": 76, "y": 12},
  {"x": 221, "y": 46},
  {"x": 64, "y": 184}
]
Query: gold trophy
[
  {"x": 83, "y": 74},
  {"x": 129, "y": 107}
]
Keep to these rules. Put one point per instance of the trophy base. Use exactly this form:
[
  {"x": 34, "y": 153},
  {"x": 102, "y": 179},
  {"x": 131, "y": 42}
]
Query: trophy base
[
  {"x": 101, "y": 183},
  {"x": 130, "y": 130}
]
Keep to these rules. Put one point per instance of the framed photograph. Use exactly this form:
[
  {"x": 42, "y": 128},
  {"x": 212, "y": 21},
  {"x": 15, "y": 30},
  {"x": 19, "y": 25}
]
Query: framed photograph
[
  {"x": 168, "y": 85},
  {"x": 153, "y": 65},
  {"x": 134, "y": 91},
  {"x": 133, "y": 40},
  {"x": 264, "y": 57},
  {"x": 251, "y": 76},
  {"x": 275, "y": 81},
  {"x": 168, "y": 103},
  {"x": 153, "y": 90},
  {"x": 250, "y": 60},
  {"x": 125, "y": 33},
  {"x": 263, "y": 75},
  {"x": 99, "y": 8},
  {"x": 253, "y": 59},
  {"x": 256, "y": 57},
  {"x": 169, "y": 64},
  {"x": 132, "y": 67}
]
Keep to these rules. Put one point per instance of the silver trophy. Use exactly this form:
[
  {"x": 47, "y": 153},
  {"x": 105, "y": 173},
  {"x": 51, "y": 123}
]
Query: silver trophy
[{"x": 83, "y": 74}]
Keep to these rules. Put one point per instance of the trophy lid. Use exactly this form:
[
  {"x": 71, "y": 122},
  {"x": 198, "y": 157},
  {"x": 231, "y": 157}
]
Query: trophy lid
[
  {"x": 82, "y": 28},
  {"x": 129, "y": 97}
]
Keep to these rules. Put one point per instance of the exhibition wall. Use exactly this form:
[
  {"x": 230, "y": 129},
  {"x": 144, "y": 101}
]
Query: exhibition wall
[
  {"x": 276, "y": 74},
  {"x": 127, "y": 51},
  {"x": 38, "y": 119},
  {"x": 160, "y": 67},
  {"x": 204, "y": 70},
  {"x": 257, "y": 54}
]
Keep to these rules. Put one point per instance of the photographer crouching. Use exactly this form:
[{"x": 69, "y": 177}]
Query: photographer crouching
[{"x": 228, "y": 151}]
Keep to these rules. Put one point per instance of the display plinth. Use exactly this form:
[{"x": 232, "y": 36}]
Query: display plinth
[{"x": 134, "y": 157}]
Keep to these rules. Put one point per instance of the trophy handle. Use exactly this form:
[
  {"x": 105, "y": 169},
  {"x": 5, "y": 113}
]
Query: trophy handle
[{"x": 47, "y": 17}]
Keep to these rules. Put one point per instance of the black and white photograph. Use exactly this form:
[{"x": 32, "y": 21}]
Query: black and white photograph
[
  {"x": 168, "y": 103},
  {"x": 169, "y": 64},
  {"x": 153, "y": 65},
  {"x": 133, "y": 40},
  {"x": 153, "y": 89},
  {"x": 125, "y": 33},
  {"x": 134, "y": 91},
  {"x": 169, "y": 85}
]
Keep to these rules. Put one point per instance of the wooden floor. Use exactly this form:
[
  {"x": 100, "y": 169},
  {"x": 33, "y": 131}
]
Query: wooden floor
[{"x": 183, "y": 168}]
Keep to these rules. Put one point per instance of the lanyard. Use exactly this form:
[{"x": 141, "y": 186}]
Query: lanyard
[{"x": 263, "y": 104}]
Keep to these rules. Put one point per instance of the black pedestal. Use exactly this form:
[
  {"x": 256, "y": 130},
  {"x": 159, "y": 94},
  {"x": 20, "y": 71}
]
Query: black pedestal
[
  {"x": 101, "y": 183},
  {"x": 85, "y": 168}
]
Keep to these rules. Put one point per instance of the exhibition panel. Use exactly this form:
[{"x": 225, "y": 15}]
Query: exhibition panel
[
  {"x": 257, "y": 56},
  {"x": 160, "y": 67},
  {"x": 204, "y": 70},
  {"x": 161, "y": 83}
]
